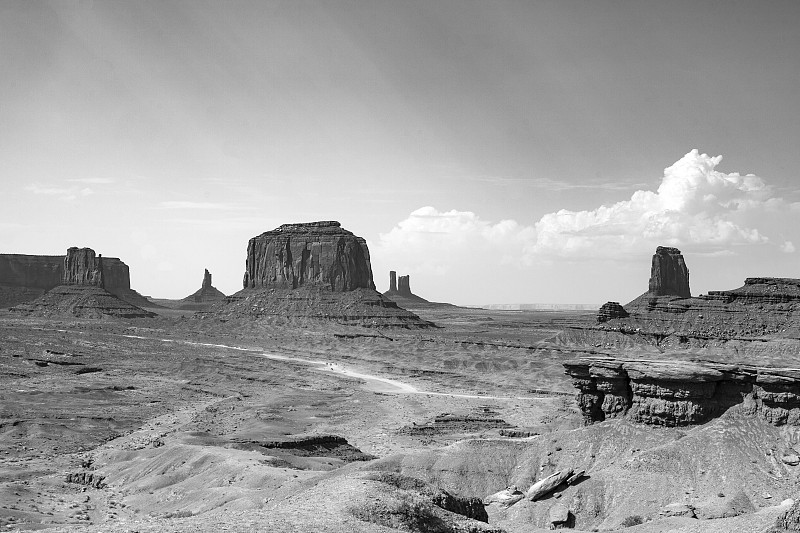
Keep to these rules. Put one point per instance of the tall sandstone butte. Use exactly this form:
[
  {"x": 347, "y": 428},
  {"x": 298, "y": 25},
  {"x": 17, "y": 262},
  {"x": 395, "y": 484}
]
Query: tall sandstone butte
[
  {"x": 404, "y": 285},
  {"x": 669, "y": 275},
  {"x": 83, "y": 267},
  {"x": 312, "y": 254}
]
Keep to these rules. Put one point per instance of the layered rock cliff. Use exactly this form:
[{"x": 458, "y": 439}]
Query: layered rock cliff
[
  {"x": 680, "y": 393},
  {"x": 320, "y": 254}
]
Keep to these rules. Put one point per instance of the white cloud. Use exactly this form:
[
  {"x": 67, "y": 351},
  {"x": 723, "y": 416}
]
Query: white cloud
[
  {"x": 93, "y": 181},
  {"x": 694, "y": 206},
  {"x": 65, "y": 193},
  {"x": 182, "y": 204},
  {"x": 788, "y": 247},
  {"x": 437, "y": 241}
]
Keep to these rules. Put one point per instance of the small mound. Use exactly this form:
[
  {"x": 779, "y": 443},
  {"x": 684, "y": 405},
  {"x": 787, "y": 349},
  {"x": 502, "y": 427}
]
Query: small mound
[
  {"x": 80, "y": 301},
  {"x": 360, "y": 307}
]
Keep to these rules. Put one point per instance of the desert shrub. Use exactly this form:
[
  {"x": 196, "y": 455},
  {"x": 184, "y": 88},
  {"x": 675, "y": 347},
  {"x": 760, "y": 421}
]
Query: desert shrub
[
  {"x": 401, "y": 510},
  {"x": 399, "y": 481},
  {"x": 633, "y": 520}
]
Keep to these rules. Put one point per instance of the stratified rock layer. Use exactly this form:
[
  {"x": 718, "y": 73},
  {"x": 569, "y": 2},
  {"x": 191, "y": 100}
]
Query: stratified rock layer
[
  {"x": 320, "y": 254},
  {"x": 680, "y": 393},
  {"x": 668, "y": 274}
]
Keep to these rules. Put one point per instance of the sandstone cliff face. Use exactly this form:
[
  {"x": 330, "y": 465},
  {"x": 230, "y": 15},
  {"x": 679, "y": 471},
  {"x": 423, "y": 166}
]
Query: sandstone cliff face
[
  {"x": 679, "y": 393},
  {"x": 318, "y": 254},
  {"x": 82, "y": 267},
  {"x": 669, "y": 275},
  {"x": 31, "y": 271}
]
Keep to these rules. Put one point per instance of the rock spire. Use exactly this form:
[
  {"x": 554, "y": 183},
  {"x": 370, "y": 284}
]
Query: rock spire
[{"x": 668, "y": 274}]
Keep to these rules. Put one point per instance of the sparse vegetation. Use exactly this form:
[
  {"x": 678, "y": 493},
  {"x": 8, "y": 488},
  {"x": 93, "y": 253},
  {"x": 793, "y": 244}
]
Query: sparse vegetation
[{"x": 633, "y": 520}]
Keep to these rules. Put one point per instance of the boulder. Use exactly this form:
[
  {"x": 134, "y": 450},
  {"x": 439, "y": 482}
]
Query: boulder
[
  {"x": 559, "y": 514},
  {"x": 677, "y": 509},
  {"x": 506, "y": 497},
  {"x": 547, "y": 485},
  {"x": 791, "y": 459},
  {"x": 318, "y": 254}
]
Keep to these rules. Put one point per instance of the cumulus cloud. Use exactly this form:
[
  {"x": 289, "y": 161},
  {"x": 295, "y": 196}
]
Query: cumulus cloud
[
  {"x": 437, "y": 241},
  {"x": 694, "y": 206},
  {"x": 65, "y": 193}
]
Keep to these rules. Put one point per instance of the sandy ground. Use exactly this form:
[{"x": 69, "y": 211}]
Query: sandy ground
[{"x": 177, "y": 419}]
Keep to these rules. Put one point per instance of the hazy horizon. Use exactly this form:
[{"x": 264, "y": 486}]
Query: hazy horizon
[{"x": 501, "y": 152}]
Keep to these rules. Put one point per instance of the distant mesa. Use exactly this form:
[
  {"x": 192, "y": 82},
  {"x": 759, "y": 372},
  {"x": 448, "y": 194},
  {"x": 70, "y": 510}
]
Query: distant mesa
[
  {"x": 312, "y": 271},
  {"x": 204, "y": 297},
  {"x": 82, "y": 292},
  {"x": 764, "y": 307},
  {"x": 24, "y": 278}
]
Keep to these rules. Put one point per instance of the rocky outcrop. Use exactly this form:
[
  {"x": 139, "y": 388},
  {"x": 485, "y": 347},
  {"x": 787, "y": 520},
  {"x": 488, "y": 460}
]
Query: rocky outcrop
[
  {"x": 203, "y": 297},
  {"x": 404, "y": 286},
  {"x": 679, "y": 393},
  {"x": 24, "y": 278},
  {"x": 400, "y": 292},
  {"x": 82, "y": 292},
  {"x": 668, "y": 274},
  {"x": 318, "y": 254},
  {"x": 763, "y": 309},
  {"x": 82, "y": 267},
  {"x": 611, "y": 310},
  {"x": 310, "y": 272}
]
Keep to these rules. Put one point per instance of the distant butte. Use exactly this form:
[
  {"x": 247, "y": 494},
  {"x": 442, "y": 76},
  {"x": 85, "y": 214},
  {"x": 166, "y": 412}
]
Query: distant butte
[
  {"x": 24, "y": 278},
  {"x": 762, "y": 308},
  {"x": 400, "y": 292},
  {"x": 312, "y": 271},
  {"x": 82, "y": 292},
  {"x": 206, "y": 295}
]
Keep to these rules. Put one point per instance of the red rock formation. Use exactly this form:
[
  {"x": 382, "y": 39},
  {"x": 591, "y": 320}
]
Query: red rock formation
[
  {"x": 39, "y": 273},
  {"x": 320, "y": 254},
  {"x": 404, "y": 286},
  {"x": 81, "y": 267},
  {"x": 609, "y": 311},
  {"x": 679, "y": 393},
  {"x": 669, "y": 275},
  {"x": 204, "y": 297},
  {"x": 392, "y": 281}
]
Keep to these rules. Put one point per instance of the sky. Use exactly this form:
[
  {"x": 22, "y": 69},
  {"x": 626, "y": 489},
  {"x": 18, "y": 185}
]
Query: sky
[{"x": 495, "y": 151}]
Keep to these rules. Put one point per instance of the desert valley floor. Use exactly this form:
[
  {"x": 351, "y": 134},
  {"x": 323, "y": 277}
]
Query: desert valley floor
[{"x": 184, "y": 423}]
